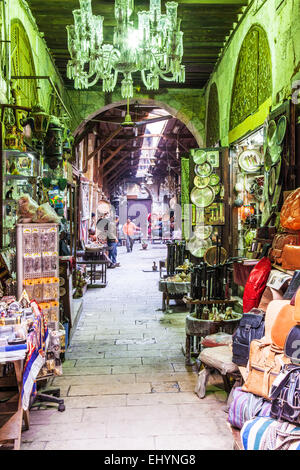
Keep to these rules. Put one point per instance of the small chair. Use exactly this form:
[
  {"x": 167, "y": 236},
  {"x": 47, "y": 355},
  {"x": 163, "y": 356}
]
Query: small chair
[{"x": 220, "y": 359}]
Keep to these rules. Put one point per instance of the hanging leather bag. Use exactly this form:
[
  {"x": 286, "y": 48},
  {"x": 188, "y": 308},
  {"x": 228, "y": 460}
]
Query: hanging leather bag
[
  {"x": 251, "y": 326},
  {"x": 285, "y": 395},
  {"x": 279, "y": 242},
  {"x": 265, "y": 363},
  {"x": 291, "y": 257}
]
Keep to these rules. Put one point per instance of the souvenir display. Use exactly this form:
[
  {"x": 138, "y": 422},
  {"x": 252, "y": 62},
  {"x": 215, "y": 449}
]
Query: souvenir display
[{"x": 215, "y": 214}]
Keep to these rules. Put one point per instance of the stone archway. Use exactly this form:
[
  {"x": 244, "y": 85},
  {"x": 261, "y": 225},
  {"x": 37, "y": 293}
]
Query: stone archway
[{"x": 177, "y": 113}]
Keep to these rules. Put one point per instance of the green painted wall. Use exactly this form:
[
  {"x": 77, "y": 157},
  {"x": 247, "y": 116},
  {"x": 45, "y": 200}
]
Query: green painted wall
[
  {"x": 282, "y": 26},
  {"x": 43, "y": 62}
]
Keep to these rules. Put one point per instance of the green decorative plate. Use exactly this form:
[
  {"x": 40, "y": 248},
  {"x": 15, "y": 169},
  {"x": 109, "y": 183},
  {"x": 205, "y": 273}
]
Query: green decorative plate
[
  {"x": 199, "y": 156},
  {"x": 275, "y": 152},
  {"x": 272, "y": 128},
  {"x": 272, "y": 181},
  {"x": 202, "y": 197},
  {"x": 268, "y": 160},
  {"x": 201, "y": 182},
  {"x": 203, "y": 170},
  {"x": 281, "y": 130},
  {"x": 214, "y": 179}
]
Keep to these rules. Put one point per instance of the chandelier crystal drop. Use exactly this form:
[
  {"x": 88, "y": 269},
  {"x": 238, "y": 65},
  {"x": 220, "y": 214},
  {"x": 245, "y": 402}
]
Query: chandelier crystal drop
[{"x": 154, "y": 47}]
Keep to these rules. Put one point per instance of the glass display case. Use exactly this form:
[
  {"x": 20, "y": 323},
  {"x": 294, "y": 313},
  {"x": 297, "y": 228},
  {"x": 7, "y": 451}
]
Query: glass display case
[
  {"x": 20, "y": 171},
  {"x": 248, "y": 182}
]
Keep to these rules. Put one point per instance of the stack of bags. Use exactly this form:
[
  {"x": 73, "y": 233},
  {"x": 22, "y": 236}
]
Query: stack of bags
[{"x": 267, "y": 407}]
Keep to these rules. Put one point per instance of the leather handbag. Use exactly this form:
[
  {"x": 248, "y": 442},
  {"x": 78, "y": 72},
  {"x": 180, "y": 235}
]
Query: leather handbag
[
  {"x": 265, "y": 363},
  {"x": 291, "y": 257},
  {"x": 256, "y": 284},
  {"x": 290, "y": 212},
  {"x": 285, "y": 395},
  {"x": 279, "y": 241},
  {"x": 283, "y": 324},
  {"x": 251, "y": 326}
]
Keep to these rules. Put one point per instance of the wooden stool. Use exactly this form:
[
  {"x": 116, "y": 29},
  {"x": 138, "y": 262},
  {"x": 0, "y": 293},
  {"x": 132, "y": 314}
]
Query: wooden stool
[{"x": 220, "y": 359}]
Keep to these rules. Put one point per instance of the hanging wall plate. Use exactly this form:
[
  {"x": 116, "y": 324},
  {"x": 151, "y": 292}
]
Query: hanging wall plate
[
  {"x": 201, "y": 182},
  {"x": 268, "y": 160},
  {"x": 272, "y": 181},
  {"x": 199, "y": 156},
  {"x": 203, "y": 231},
  {"x": 275, "y": 152},
  {"x": 272, "y": 128},
  {"x": 211, "y": 256},
  {"x": 214, "y": 179},
  {"x": 203, "y": 197},
  {"x": 250, "y": 161},
  {"x": 281, "y": 129},
  {"x": 203, "y": 170},
  {"x": 198, "y": 247}
]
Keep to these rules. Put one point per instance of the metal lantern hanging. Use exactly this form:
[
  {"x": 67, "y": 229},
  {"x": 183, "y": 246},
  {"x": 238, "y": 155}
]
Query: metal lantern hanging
[
  {"x": 38, "y": 120},
  {"x": 53, "y": 143}
]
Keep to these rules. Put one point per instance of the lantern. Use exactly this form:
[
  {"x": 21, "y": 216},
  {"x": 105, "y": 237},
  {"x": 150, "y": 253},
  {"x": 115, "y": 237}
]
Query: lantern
[
  {"x": 38, "y": 121},
  {"x": 246, "y": 211},
  {"x": 53, "y": 144}
]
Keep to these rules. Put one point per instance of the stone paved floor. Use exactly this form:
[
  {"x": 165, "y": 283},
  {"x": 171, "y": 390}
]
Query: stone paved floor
[{"x": 125, "y": 383}]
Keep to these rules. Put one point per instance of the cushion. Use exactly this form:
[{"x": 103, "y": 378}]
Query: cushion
[{"x": 219, "y": 358}]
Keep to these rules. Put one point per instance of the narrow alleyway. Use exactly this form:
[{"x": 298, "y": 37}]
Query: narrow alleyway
[{"x": 125, "y": 383}]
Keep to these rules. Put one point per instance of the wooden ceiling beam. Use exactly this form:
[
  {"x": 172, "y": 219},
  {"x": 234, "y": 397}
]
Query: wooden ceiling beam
[{"x": 106, "y": 142}]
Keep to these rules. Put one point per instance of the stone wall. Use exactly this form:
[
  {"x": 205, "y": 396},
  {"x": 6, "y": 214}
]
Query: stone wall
[{"x": 280, "y": 19}]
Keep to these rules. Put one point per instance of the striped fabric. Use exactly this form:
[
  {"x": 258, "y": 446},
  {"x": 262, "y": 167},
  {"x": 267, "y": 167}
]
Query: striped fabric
[
  {"x": 246, "y": 406},
  {"x": 270, "y": 434},
  {"x": 37, "y": 342}
]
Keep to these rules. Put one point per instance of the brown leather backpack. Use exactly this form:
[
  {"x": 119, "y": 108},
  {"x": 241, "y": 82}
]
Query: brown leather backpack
[{"x": 279, "y": 241}]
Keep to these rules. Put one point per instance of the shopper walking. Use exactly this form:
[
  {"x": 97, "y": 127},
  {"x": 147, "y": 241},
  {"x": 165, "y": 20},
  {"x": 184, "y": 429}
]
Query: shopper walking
[
  {"x": 109, "y": 226},
  {"x": 129, "y": 230}
]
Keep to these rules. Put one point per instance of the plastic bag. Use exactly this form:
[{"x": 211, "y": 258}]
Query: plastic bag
[
  {"x": 27, "y": 208},
  {"x": 46, "y": 214}
]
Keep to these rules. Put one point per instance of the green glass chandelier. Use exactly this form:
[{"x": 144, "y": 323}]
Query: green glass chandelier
[{"x": 154, "y": 47}]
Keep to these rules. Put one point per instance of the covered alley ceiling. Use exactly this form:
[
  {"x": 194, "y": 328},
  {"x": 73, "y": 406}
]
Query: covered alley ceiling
[{"x": 206, "y": 25}]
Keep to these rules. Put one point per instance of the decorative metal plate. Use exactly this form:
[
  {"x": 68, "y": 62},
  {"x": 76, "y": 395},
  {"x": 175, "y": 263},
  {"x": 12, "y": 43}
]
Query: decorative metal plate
[
  {"x": 203, "y": 197},
  {"x": 200, "y": 157},
  {"x": 201, "y": 182},
  {"x": 203, "y": 170},
  {"x": 250, "y": 161},
  {"x": 281, "y": 129},
  {"x": 214, "y": 179},
  {"x": 198, "y": 247}
]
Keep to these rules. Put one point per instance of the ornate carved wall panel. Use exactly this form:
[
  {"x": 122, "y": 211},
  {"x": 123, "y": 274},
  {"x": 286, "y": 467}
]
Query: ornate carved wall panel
[
  {"x": 22, "y": 64},
  {"x": 253, "y": 77},
  {"x": 213, "y": 117}
]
